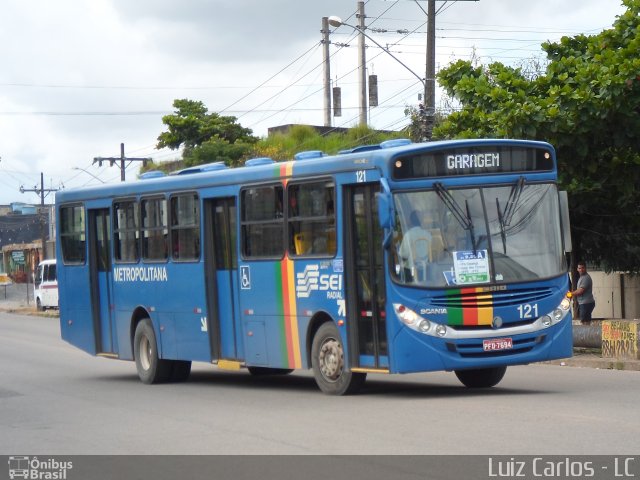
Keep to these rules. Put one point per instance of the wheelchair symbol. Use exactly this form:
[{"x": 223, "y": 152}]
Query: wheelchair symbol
[{"x": 245, "y": 277}]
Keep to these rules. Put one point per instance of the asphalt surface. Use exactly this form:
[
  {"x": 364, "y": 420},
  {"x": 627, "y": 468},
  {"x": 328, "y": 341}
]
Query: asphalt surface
[{"x": 18, "y": 298}]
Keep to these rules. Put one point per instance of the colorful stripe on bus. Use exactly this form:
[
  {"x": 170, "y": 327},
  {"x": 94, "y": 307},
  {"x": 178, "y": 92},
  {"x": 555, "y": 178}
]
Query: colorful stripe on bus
[
  {"x": 285, "y": 278},
  {"x": 289, "y": 333},
  {"x": 472, "y": 313}
]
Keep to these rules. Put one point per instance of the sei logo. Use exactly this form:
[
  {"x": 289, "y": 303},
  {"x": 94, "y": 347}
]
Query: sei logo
[{"x": 311, "y": 279}]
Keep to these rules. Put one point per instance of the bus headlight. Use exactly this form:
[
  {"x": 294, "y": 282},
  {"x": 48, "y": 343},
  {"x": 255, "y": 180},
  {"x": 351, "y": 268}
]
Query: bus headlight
[
  {"x": 424, "y": 326},
  {"x": 441, "y": 330},
  {"x": 412, "y": 320},
  {"x": 558, "y": 313}
]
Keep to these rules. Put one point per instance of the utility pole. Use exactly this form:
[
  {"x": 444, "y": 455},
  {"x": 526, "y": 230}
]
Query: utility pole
[
  {"x": 430, "y": 76},
  {"x": 362, "y": 60},
  {"x": 122, "y": 159},
  {"x": 41, "y": 191},
  {"x": 327, "y": 72}
]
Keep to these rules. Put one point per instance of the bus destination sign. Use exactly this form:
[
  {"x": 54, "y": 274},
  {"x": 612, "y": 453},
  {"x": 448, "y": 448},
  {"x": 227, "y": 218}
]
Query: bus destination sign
[{"x": 473, "y": 161}]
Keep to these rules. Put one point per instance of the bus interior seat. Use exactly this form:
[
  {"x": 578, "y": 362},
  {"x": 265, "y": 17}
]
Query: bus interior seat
[
  {"x": 331, "y": 241},
  {"x": 436, "y": 248},
  {"x": 302, "y": 242},
  {"x": 420, "y": 256}
]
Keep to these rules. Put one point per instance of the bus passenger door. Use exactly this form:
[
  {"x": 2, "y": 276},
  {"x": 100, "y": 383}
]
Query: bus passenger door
[
  {"x": 221, "y": 263},
  {"x": 100, "y": 278},
  {"x": 365, "y": 280}
]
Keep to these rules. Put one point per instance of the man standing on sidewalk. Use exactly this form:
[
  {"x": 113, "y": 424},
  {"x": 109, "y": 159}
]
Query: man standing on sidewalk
[{"x": 583, "y": 293}]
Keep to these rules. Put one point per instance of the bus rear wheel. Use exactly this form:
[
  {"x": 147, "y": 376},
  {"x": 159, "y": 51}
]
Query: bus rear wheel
[
  {"x": 327, "y": 360},
  {"x": 481, "y": 377},
  {"x": 151, "y": 368}
]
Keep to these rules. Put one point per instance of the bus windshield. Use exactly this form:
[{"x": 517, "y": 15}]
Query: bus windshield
[{"x": 469, "y": 236}]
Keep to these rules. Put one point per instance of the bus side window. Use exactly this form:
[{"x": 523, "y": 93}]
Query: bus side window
[
  {"x": 72, "y": 234},
  {"x": 262, "y": 222},
  {"x": 126, "y": 231},
  {"x": 154, "y": 229},
  {"x": 311, "y": 218},
  {"x": 185, "y": 227}
]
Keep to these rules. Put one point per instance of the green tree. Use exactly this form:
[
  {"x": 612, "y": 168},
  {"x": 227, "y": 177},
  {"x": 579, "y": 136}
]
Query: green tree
[
  {"x": 303, "y": 137},
  {"x": 205, "y": 137},
  {"x": 587, "y": 104}
]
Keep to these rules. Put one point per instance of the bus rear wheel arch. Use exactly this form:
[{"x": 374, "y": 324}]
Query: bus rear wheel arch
[
  {"x": 328, "y": 363},
  {"x": 481, "y": 377}
]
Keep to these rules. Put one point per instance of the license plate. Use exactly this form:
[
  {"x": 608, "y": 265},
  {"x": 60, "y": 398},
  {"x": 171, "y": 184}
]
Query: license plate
[{"x": 497, "y": 344}]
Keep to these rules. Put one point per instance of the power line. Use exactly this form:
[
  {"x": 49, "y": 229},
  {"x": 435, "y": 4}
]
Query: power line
[{"x": 269, "y": 79}]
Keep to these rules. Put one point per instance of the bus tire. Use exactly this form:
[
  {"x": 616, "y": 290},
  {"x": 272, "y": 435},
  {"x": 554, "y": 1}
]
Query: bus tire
[
  {"x": 260, "y": 371},
  {"x": 481, "y": 377},
  {"x": 327, "y": 360},
  {"x": 180, "y": 371},
  {"x": 151, "y": 368}
]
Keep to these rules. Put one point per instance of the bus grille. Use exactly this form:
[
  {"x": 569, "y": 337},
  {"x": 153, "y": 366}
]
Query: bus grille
[{"x": 498, "y": 299}]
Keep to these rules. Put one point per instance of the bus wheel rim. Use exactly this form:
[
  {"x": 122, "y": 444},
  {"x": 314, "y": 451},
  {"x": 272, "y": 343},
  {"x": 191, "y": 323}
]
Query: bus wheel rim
[
  {"x": 145, "y": 353},
  {"x": 331, "y": 359}
]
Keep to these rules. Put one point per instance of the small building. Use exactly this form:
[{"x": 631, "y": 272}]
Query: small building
[{"x": 23, "y": 229}]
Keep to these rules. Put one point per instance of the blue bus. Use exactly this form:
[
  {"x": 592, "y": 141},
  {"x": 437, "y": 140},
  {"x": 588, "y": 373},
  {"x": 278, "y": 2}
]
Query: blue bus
[{"x": 390, "y": 258}]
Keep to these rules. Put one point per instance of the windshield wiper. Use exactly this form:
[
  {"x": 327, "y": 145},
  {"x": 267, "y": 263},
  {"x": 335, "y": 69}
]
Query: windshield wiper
[
  {"x": 463, "y": 218},
  {"x": 514, "y": 198},
  {"x": 503, "y": 234},
  {"x": 504, "y": 218}
]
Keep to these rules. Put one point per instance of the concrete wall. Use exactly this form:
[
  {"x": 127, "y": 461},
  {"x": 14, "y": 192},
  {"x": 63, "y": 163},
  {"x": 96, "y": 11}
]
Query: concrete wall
[{"x": 617, "y": 295}]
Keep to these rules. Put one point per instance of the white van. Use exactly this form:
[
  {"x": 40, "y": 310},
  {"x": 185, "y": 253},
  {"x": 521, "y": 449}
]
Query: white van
[{"x": 45, "y": 285}]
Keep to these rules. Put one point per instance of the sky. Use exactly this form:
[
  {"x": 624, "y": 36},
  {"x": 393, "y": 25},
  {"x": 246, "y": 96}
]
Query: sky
[{"x": 79, "y": 78}]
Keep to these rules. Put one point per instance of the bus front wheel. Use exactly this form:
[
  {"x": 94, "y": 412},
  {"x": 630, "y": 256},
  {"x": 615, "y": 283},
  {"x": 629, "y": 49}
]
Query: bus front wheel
[
  {"x": 151, "y": 368},
  {"x": 327, "y": 360},
  {"x": 481, "y": 377}
]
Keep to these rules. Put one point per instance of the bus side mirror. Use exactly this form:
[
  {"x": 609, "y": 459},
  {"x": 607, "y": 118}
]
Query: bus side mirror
[{"x": 564, "y": 218}]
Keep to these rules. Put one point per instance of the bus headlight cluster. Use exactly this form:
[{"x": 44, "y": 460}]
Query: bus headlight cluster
[
  {"x": 557, "y": 314},
  {"x": 420, "y": 324}
]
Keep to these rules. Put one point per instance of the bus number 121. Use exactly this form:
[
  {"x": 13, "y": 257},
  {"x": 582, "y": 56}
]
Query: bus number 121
[{"x": 528, "y": 311}]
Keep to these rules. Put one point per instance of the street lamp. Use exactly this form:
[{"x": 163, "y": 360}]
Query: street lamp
[
  {"x": 337, "y": 22},
  {"x": 88, "y": 173}
]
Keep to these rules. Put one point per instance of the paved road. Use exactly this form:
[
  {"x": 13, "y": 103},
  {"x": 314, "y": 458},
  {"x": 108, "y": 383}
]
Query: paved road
[{"x": 58, "y": 400}]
